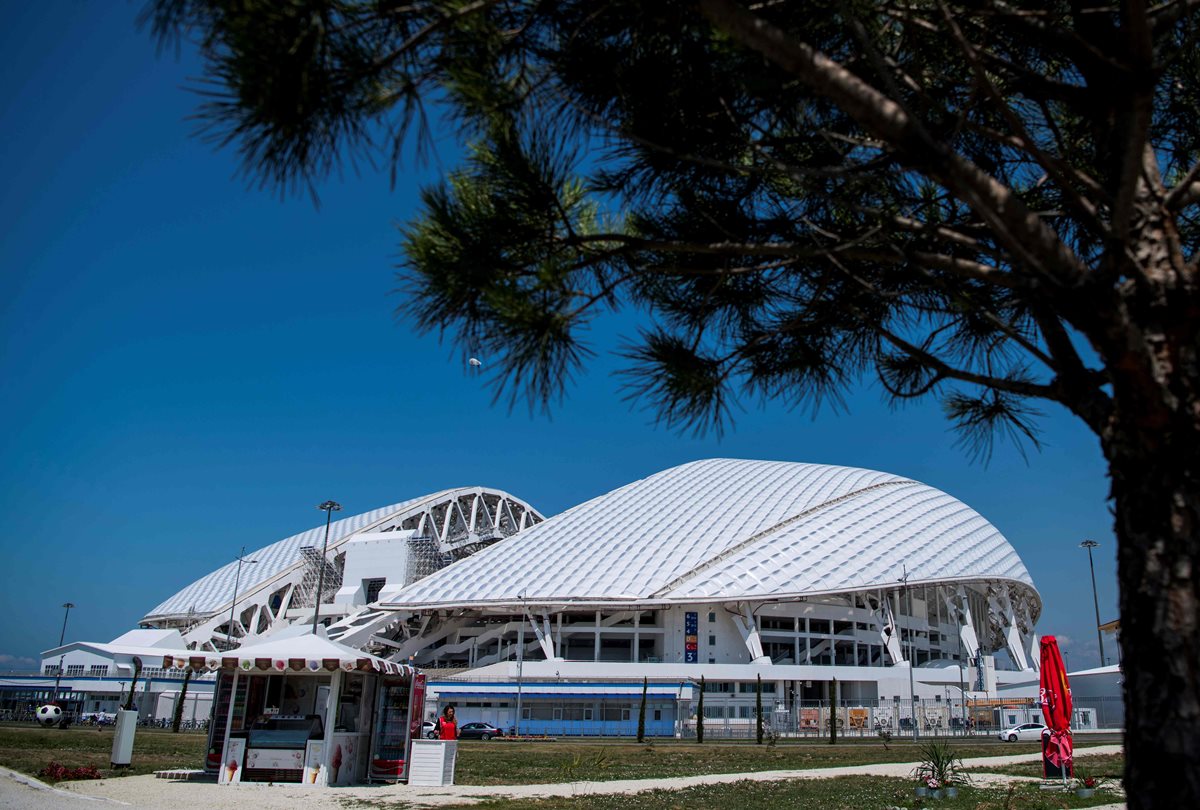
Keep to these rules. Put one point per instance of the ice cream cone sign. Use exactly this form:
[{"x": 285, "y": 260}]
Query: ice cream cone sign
[
  {"x": 233, "y": 767},
  {"x": 337, "y": 762}
]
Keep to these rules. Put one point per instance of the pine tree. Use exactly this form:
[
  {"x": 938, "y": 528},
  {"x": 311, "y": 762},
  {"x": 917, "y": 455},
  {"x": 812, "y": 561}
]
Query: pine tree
[{"x": 992, "y": 205}]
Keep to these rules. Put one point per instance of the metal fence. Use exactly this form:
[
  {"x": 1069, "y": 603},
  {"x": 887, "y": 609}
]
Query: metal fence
[
  {"x": 871, "y": 718},
  {"x": 735, "y": 718}
]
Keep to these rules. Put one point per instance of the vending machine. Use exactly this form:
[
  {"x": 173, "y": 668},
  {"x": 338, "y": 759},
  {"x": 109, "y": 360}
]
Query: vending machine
[{"x": 399, "y": 706}]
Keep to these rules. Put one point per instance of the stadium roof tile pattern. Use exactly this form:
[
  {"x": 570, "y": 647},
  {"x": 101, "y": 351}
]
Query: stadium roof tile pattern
[{"x": 727, "y": 529}]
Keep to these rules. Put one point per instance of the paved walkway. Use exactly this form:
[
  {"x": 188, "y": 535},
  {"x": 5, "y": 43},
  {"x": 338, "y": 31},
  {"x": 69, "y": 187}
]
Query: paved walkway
[{"x": 148, "y": 792}]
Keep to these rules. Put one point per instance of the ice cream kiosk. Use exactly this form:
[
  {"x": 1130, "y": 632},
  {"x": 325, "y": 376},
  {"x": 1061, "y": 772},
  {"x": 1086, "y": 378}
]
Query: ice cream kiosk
[{"x": 297, "y": 707}]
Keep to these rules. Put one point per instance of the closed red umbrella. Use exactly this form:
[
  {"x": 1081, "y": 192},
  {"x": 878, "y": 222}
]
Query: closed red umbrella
[{"x": 1056, "y": 709}]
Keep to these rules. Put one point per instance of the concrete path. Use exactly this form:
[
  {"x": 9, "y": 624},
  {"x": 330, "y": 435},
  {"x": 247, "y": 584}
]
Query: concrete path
[
  {"x": 148, "y": 792},
  {"x": 21, "y": 792}
]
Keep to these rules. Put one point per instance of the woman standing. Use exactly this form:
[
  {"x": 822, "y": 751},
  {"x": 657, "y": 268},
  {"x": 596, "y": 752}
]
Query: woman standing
[{"x": 447, "y": 725}]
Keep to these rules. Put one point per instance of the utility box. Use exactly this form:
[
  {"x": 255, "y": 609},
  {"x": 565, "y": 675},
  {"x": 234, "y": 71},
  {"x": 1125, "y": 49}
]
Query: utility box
[
  {"x": 122, "y": 749},
  {"x": 432, "y": 762}
]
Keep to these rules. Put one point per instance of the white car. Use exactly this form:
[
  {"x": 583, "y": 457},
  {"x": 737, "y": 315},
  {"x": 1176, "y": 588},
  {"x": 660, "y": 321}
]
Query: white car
[
  {"x": 429, "y": 730},
  {"x": 1026, "y": 731}
]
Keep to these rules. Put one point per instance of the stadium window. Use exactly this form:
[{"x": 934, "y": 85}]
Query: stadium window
[
  {"x": 99, "y": 669},
  {"x": 75, "y": 669},
  {"x": 587, "y": 714},
  {"x": 712, "y": 616},
  {"x": 712, "y": 641},
  {"x": 658, "y": 714}
]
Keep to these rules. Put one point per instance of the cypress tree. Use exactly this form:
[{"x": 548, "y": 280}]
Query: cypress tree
[
  {"x": 833, "y": 704},
  {"x": 641, "y": 737},
  {"x": 178, "y": 718},
  {"x": 758, "y": 710}
]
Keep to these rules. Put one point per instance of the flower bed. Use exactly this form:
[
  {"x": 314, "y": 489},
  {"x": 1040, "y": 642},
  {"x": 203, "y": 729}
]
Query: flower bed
[{"x": 57, "y": 772}]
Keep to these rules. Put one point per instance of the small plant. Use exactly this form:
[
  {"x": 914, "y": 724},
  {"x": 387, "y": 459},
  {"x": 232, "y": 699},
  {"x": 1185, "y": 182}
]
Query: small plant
[
  {"x": 939, "y": 762},
  {"x": 1086, "y": 780},
  {"x": 885, "y": 737},
  {"x": 570, "y": 767}
]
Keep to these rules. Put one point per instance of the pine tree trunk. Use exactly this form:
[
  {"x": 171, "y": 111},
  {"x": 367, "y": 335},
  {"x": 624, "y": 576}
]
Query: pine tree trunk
[
  {"x": 1152, "y": 445},
  {"x": 1157, "y": 501}
]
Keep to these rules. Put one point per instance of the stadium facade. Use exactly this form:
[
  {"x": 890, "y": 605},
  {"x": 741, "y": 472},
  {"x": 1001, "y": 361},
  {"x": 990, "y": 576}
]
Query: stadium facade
[{"x": 723, "y": 572}]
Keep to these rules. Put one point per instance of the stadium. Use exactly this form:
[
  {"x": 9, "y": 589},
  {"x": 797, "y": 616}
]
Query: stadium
[{"x": 722, "y": 573}]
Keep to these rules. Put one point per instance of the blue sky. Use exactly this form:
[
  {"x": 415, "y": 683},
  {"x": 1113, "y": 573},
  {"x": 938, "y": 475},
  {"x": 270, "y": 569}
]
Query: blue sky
[{"x": 189, "y": 365}]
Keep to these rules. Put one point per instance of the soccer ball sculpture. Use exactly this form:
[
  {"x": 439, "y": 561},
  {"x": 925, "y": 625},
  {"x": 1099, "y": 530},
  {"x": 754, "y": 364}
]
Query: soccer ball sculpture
[{"x": 49, "y": 715}]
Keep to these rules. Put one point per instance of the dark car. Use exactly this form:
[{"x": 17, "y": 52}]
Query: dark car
[{"x": 478, "y": 731}]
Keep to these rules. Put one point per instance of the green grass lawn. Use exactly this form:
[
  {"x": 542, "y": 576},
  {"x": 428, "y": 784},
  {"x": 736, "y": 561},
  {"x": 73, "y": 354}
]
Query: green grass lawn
[
  {"x": 523, "y": 763},
  {"x": 28, "y": 749},
  {"x": 844, "y": 793},
  {"x": 1108, "y": 766}
]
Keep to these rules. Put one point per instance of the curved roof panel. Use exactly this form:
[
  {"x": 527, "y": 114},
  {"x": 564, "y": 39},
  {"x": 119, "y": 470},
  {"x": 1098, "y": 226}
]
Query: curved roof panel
[
  {"x": 722, "y": 529},
  {"x": 214, "y": 590}
]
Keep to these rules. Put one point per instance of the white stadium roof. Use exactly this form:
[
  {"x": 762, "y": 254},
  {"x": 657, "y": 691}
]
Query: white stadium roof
[
  {"x": 725, "y": 529},
  {"x": 213, "y": 591}
]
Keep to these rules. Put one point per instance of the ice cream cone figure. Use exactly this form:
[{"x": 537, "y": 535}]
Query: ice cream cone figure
[
  {"x": 337, "y": 762},
  {"x": 232, "y": 769}
]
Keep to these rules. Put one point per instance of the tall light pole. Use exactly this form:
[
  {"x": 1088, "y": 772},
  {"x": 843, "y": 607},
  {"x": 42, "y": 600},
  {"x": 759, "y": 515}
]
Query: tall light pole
[
  {"x": 520, "y": 658},
  {"x": 912, "y": 692},
  {"x": 1089, "y": 545},
  {"x": 62, "y": 635},
  {"x": 962, "y": 681},
  {"x": 237, "y": 581},
  {"x": 329, "y": 507}
]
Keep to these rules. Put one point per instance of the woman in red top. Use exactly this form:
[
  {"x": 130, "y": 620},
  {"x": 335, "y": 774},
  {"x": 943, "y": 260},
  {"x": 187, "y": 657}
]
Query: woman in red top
[{"x": 447, "y": 725}]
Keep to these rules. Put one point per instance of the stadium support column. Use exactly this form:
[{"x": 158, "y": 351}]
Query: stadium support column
[
  {"x": 966, "y": 628},
  {"x": 749, "y": 630},
  {"x": 544, "y": 639},
  {"x": 888, "y": 631},
  {"x": 1012, "y": 632}
]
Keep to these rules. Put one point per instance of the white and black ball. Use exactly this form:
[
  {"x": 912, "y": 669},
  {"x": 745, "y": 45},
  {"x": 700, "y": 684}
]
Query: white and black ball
[{"x": 49, "y": 715}]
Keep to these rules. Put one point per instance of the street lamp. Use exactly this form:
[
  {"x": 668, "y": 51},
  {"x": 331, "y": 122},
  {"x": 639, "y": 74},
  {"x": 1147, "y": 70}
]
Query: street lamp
[
  {"x": 329, "y": 507},
  {"x": 236, "y": 581},
  {"x": 1089, "y": 545},
  {"x": 62, "y": 635},
  {"x": 520, "y": 657},
  {"x": 912, "y": 692}
]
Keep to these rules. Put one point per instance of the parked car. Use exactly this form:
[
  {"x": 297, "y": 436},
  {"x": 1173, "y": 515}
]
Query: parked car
[
  {"x": 429, "y": 730},
  {"x": 1025, "y": 731},
  {"x": 478, "y": 731}
]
